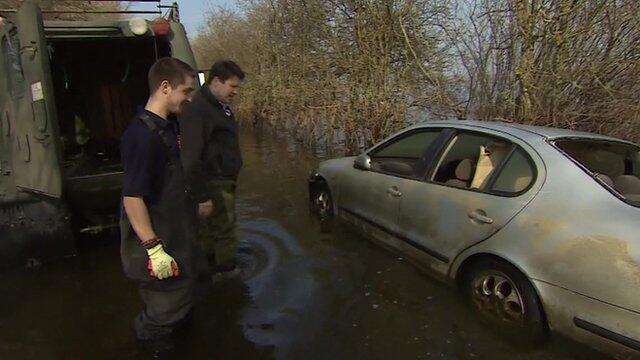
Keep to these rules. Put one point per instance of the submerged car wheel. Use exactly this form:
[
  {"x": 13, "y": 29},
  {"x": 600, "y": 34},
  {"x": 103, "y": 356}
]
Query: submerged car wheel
[
  {"x": 322, "y": 206},
  {"x": 504, "y": 296}
]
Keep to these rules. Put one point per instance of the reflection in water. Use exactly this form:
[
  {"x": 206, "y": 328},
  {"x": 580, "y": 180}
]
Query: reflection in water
[{"x": 306, "y": 295}]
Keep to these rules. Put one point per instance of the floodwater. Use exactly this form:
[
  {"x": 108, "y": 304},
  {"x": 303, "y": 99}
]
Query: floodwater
[{"x": 307, "y": 295}]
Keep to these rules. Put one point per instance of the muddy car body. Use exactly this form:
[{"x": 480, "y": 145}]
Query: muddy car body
[
  {"x": 68, "y": 91},
  {"x": 537, "y": 226}
]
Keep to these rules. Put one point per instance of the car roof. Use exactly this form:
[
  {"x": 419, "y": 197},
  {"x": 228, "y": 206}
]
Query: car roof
[{"x": 523, "y": 131}]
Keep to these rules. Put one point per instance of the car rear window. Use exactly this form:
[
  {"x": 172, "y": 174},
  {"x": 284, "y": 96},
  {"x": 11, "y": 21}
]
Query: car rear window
[
  {"x": 615, "y": 165},
  {"x": 470, "y": 160}
]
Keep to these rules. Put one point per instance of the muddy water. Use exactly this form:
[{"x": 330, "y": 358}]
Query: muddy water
[{"x": 306, "y": 295}]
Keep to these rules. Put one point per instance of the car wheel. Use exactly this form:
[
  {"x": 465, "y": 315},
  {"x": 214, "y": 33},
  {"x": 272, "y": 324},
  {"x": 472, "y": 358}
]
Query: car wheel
[
  {"x": 502, "y": 295},
  {"x": 322, "y": 206}
]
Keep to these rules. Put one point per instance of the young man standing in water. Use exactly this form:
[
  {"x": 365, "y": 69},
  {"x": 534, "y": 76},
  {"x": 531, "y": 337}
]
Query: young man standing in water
[
  {"x": 212, "y": 160},
  {"x": 156, "y": 222}
]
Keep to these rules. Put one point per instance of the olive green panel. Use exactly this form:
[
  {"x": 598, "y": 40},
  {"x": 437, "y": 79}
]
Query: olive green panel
[
  {"x": 36, "y": 144},
  {"x": 180, "y": 48},
  {"x": 7, "y": 186}
]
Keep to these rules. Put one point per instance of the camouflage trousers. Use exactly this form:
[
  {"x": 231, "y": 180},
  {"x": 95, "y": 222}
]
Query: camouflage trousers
[{"x": 218, "y": 232}]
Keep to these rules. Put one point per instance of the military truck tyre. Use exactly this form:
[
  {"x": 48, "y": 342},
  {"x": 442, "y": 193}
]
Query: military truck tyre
[{"x": 503, "y": 296}]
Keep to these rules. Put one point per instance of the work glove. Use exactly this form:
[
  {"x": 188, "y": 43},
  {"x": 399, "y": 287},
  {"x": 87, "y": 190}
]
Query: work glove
[{"x": 161, "y": 264}]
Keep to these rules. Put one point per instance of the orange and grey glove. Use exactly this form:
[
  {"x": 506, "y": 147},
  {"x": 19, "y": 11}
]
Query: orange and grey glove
[{"x": 161, "y": 264}]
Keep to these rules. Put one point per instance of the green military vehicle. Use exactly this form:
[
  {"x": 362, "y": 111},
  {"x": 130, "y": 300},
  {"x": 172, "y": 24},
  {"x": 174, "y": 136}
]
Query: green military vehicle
[{"x": 67, "y": 91}]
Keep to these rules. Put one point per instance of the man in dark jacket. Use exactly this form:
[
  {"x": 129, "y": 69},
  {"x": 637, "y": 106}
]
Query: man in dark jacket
[{"x": 212, "y": 160}]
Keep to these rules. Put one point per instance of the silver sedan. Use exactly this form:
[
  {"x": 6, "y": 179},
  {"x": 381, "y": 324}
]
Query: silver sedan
[{"x": 538, "y": 227}]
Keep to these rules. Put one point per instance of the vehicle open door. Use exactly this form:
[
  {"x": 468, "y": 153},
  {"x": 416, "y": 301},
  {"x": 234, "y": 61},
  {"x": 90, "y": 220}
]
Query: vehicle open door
[
  {"x": 180, "y": 48},
  {"x": 30, "y": 104}
]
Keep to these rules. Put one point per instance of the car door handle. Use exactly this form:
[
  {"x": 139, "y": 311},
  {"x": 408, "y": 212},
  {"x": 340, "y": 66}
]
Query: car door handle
[
  {"x": 393, "y": 191},
  {"x": 480, "y": 216}
]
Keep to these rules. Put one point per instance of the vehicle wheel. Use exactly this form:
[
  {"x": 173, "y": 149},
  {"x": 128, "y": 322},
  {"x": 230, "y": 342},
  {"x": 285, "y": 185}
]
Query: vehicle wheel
[
  {"x": 505, "y": 297},
  {"x": 322, "y": 207}
]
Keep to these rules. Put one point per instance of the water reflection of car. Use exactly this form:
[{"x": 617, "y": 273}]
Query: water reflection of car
[{"x": 538, "y": 227}]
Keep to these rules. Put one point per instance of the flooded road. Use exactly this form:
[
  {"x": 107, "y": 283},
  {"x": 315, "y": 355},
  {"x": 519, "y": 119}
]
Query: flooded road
[{"x": 307, "y": 295}]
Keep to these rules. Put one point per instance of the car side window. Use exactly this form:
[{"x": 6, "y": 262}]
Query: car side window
[
  {"x": 470, "y": 160},
  {"x": 402, "y": 157},
  {"x": 516, "y": 175},
  {"x": 13, "y": 67}
]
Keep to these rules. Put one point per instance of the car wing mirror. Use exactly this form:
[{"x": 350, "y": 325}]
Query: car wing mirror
[{"x": 362, "y": 162}]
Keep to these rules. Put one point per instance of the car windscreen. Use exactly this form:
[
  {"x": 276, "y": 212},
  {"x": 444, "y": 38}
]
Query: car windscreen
[{"x": 615, "y": 165}]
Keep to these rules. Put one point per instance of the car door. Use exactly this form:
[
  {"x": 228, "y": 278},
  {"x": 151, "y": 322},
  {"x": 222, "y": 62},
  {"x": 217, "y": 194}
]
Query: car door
[
  {"x": 374, "y": 195},
  {"x": 30, "y": 116},
  {"x": 474, "y": 187}
]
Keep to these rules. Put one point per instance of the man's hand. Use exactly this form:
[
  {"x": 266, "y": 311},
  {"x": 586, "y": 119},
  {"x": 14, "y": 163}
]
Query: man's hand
[
  {"x": 161, "y": 264},
  {"x": 205, "y": 209}
]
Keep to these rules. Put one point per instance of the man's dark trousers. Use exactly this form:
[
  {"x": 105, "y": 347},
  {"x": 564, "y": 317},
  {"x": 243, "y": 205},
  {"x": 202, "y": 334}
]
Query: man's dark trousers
[
  {"x": 219, "y": 231},
  {"x": 164, "y": 310}
]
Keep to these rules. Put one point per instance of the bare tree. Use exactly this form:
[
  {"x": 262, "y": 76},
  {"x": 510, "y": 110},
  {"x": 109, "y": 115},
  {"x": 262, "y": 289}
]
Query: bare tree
[
  {"x": 563, "y": 63},
  {"x": 62, "y": 5},
  {"x": 358, "y": 68}
]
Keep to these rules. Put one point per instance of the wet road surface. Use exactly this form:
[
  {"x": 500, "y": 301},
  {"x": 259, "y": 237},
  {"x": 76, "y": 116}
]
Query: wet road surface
[{"x": 306, "y": 295}]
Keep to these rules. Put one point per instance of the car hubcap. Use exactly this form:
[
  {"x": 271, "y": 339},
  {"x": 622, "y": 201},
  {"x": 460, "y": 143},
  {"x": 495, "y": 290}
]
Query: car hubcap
[
  {"x": 323, "y": 204},
  {"x": 495, "y": 295}
]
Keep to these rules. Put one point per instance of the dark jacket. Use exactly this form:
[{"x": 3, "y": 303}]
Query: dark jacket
[{"x": 210, "y": 146}]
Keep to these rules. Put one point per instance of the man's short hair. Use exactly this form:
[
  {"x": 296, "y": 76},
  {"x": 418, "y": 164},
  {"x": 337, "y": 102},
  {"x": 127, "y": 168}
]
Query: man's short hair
[
  {"x": 225, "y": 69},
  {"x": 173, "y": 70}
]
